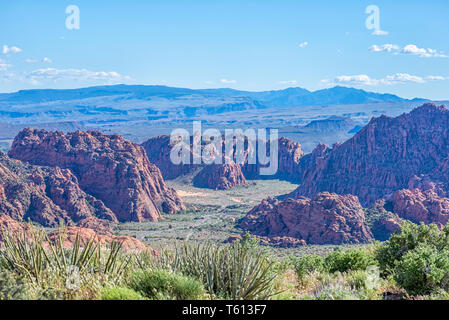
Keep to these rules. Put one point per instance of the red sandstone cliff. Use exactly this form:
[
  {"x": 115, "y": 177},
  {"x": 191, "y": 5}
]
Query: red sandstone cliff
[
  {"x": 107, "y": 167},
  {"x": 46, "y": 195},
  {"x": 326, "y": 218},
  {"x": 385, "y": 156}
]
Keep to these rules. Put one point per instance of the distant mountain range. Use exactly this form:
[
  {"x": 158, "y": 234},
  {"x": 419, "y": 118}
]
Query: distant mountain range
[{"x": 276, "y": 98}]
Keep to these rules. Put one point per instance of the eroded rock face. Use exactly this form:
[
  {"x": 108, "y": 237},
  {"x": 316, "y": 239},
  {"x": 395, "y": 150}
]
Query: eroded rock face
[
  {"x": 46, "y": 195},
  {"x": 421, "y": 206},
  {"x": 158, "y": 150},
  {"x": 69, "y": 235},
  {"x": 8, "y": 224},
  {"x": 289, "y": 156},
  {"x": 290, "y": 167},
  {"x": 326, "y": 219},
  {"x": 219, "y": 177},
  {"x": 107, "y": 167},
  {"x": 384, "y": 156}
]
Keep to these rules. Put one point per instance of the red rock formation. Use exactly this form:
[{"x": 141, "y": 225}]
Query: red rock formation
[
  {"x": 158, "y": 150},
  {"x": 384, "y": 156},
  {"x": 327, "y": 218},
  {"x": 289, "y": 156},
  {"x": 421, "y": 206},
  {"x": 98, "y": 225},
  {"x": 108, "y": 167},
  {"x": 69, "y": 235},
  {"x": 8, "y": 224},
  {"x": 45, "y": 195},
  {"x": 219, "y": 177}
]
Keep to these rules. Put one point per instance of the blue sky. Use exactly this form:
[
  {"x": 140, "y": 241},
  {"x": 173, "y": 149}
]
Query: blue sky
[{"x": 249, "y": 45}]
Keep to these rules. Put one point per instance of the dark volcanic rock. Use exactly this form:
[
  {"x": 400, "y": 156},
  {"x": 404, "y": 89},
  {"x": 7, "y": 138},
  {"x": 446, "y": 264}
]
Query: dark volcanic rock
[
  {"x": 108, "y": 167},
  {"x": 219, "y": 177},
  {"x": 384, "y": 157},
  {"x": 327, "y": 218},
  {"x": 45, "y": 195}
]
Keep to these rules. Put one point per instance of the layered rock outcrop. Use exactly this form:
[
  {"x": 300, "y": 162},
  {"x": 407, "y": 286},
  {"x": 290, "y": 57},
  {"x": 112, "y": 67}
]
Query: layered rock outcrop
[
  {"x": 85, "y": 235},
  {"x": 289, "y": 162},
  {"x": 107, "y": 167},
  {"x": 69, "y": 236},
  {"x": 385, "y": 156},
  {"x": 46, "y": 195},
  {"x": 326, "y": 218},
  {"x": 219, "y": 177},
  {"x": 158, "y": 151},
  {"x": 421, "y": 206}
]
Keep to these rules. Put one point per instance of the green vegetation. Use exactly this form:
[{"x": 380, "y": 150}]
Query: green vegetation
[
  {"x": 163, "y": 284},
  {"x": 412, "y": 264}
]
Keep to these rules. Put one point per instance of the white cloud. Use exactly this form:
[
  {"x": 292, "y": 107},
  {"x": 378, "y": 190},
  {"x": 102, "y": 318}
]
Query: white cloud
[
  {"x": 436, "y": 78},
  {"x": 44, "y": 60},
  {"x": 226, "y": 81},
  {"x": 303, "y": 44},
  {"x": 410, "y": 49},
  {"x": 365, "y": 80},
  {"x": 288, "y": 82},
  {"x": 7, "y": 50},
  {"x": 361, "y": 79},
  {"x": 422, "y": 52},
  {"x": 52, "y": 74},
  {"x": 402, "y": 78},
  {"x": 379, "y": 33},
  {"x": 4, "y": 66},
  {"x": 385, "y": 47}
]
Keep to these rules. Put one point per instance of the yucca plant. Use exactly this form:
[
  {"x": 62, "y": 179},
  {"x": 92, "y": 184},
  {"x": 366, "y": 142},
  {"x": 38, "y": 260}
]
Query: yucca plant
[
  {"x": 232, "y": 271},
  {"x": 32, "y": 253}
]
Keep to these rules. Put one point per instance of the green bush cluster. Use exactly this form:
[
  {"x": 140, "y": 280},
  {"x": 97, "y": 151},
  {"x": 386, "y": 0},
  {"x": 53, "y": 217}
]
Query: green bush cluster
[
  {"x": 417, "y": 258},
  {"x": 307, "y": 264},
  {"x": 120, "y": 293},
  {"x": 352, "y": 259},
  {"x": 167, "y": 285}
]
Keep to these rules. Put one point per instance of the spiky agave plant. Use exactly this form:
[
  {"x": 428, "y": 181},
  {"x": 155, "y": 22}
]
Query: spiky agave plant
[
  {"x": 232, "y": 271},
  {"x": 32, "y": 253}
]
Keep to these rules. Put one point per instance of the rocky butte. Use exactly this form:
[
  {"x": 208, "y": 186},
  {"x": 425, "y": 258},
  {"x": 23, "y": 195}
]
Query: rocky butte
[
  {"x": 107, "y": 167},
  {"x": 225, "y": 176},
  {"x": 326, "y": 218},
  {"x": 48, "y": 196},
  {"x": 387, "y": 155}
]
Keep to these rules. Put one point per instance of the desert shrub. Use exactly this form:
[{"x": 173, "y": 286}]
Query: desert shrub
[
  {"x": 163, "y": 284},
  {"x": 374, "y": 220},
  {"x": 120, "y": 293},
  {"x": 409, "y": 238},
  {"x": 423, "y": 270},
  {"x": 336, "y": 287},
  {"x": 352, "y": 259},
  {"x": 12, "y": 286},
  {"x": 28, "y": 255},
  {"x": 307, "y": 264},
  {"x": 235, "y": 271}
]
